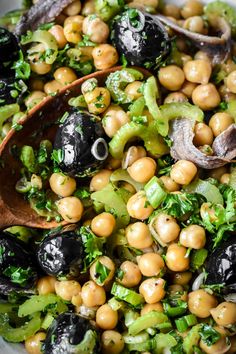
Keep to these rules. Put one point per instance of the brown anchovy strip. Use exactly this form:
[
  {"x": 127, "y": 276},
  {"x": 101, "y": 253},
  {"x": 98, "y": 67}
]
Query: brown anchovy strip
[
  {"x": 218, "y": 48},
  {"x": 43, "y": 11},
  {"x": 224, "y": 146}
]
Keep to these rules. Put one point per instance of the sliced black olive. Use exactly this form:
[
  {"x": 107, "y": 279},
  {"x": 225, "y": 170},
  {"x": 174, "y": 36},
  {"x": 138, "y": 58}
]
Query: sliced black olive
[
  {"x": 61, "y": 254},
  {"x": 7, "y": 91},
  {"x": 140, "y": 37},
  {"x": 70, "y": 333},
  {"x": 17, "y": 269},
  {"x": 221, "y": 266},
  {"x": 8, "y": 49},
  {"x": 81, "y": 140}
]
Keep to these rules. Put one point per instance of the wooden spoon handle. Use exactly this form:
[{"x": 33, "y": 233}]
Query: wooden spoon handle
[{"x": 6, "y": 217}]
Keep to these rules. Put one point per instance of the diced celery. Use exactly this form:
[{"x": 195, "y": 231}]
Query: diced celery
[
  {"x": 154, "y": 192},
  {"x": 127, "y": 295},
  {"x": 38, "y": 303},
  {"x": 150, "y": 319}
]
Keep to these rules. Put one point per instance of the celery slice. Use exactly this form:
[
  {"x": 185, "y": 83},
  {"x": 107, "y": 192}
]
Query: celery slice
[{"x": 150, "y": 319}]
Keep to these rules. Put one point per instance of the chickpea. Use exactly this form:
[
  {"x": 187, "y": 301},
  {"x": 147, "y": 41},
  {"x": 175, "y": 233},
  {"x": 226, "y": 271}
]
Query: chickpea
[
  {"x": 58, "y": 33},
  {"x": 200, "y": 303},
  {"x": 112, "y": 342},
  {"x": 109, "y": 264},
  {"x": 133, "y": 90},
  {"x": 114, "y": 118},
  {"x": 219, "y": 122},
  {"x": 52, "y": 87},
  {"x": 34, "y": 98},
  {"x": 182, "y": 278},
  {"x": 200, "y": 55},
  {"x": 138, "y": 206},
  {"x": 176, "y": 259},
  {"x": 131, "y": 274},
  {"x": 62, "y": 185},
  {"x": 176, "y": 97},
  {"x": 75, "y": 19},
  {"x": 106, "y": 317},
  {"x": 231, "y": 82},
  {"x": 133, "y": 154},
  {"x": 225, "y": 94},
  {"x": 192, "y": 8},
  {"x": 206, "y": 96},
  {"x": 73, "y": 9},
  {"x": 193, "y": 236},
  {"x": 147, "y": 4},
  {"x": 188, "y": 88},
  {"x": 220, "y": 347},
  {"x": 150, "y": 264},
  {"x": 167, "y": 228},
  {"x": 183, "y": 172},
  {"x": 207, "y": 210},
  {"x": 143, "y": 169},
  {"x": 224, "y": 314},
  {"x": 184, "y": 58},
  {"x": 96, "y": 29},
  {"x": 138, "y": 235},
  {"x": 72, "y": 32},
  {"x": 93, "y": 294},
  {"x": 172, "y": 10},
  {"x": 198, "y": 71},
  {"x": 70, "y": 208},
  {"x": 103, "y": 224},
  {"x": 169, "y": 184},
  {"x": 203, "y": 135},
  {"x": 98, "y": 100},
  {"x": 37, "y": 65},
  {"x": 217, "y": 173},
  {"x": 36, "y": 181},
  {"x": 171, "y": 77},
  {"x": 128, "y": 187},
  {"x": 100, "y": 180},
  {"x": 33, "y": 344},
  {"x": 88, "y": 8},
  {"x": 225, "y": 178},
  {"x": 152, "y": 307},
  {"x": 36, "y": 84},
  {"x": 105, "y": 56},
  {"x": 69, "y": 290},
  {"x": 152, "y": 290},
  {"x": 195, "y": 24},
  {"x": 176, "y": 289},
  {"x": 64, "y": 75},
  {"x": 46, "y": 285}
]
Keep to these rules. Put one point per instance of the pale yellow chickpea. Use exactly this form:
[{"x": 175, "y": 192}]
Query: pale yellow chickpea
[
  {"x": 93, "y": 294},
  {"x": 184, "y": 58},
  {"x": 70, "y": 209},
  {"x": 231, "y": 82},
  {"x": 142, "y": 170},
  {"x": 106, "y": 317},
  {"x": 138, "y": 206},
  {"x": 112, "y": 342},
  {"x": 176, "y": 97},
  {"x": 202, "y": 56},
  {"x": 195, "y": 24},
  {"x": 133, "y": 90},
  {"x": 203, "y": 135},
  {"x": 188, "y": 88},
  {"x": 62, "y": 185},
  {"x": 169, "y": 184},
  {"x": 193, "y": 236},
  {"x": 133, "y": 154},
  {"x": 109, "y": 264},
  {"x": 103, "y": 224},
  {"x": 96, "y": 29},
  {"x": 198, "y": 71},
  {"x": 182, "y": 278},
  {"x": 192, "y": 8},
  {"x": 131, "y": 274},
  {"x": 105, "y": 56},
  {"x": 152, "y": 307},
  {"x": 36, "y": 84},
  {"x": 219, "y": 122},
  {"x": 176, "y": 259},
  {"x": 172, "y": 10},
  {"x": 206, "y": 96},
  {"x": 138, "y": 235},
  {"x": 33, "y": 344},
  {"x": 217, "y": 173},
  {"x": 114, "y": 118},
  {"x": 100, "y": 180},
  {"x": 86, "y": 53},
  {"x": 73, "y": 8},
  {"x": 224, "y": 314},
  {"x": 112, "y": 164},
  {"x": 58, "y": 33},
  {"x": 98, "y": 100},
  {"x": 72, "y": 32},
  {"x": 220, "y": 347},
  {"x": 74, "y": 19},
  {"x": 200, "y": 303},
  {"x": 150, "y": 264},
  {"x": 183, "y": 172},
  {"x": 34, "y": 98},
  {"x": 152, "y": 290},
  {"x": 140, "y": 4},
  {"x": 225, "y": 178},
  {"x": 37, "y": 65},
  {"x": 225, "y": 94},
  {"x": 88, "y": 8},
  {"x": 64, "y": 75},
  {"x": 67, "y": 289},
  {"x": 176, "y": 289},
  {"x": 166, "y": 227},
  {"x": 36, "y": 181},
  {"x": 52, "y": 87},
  {"x": 46, "y": 285},
  {"x": 171, "y": 77}
]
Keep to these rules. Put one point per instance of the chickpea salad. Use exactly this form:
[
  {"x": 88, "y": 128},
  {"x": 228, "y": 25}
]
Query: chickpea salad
[{"x": 139, "y": 174}]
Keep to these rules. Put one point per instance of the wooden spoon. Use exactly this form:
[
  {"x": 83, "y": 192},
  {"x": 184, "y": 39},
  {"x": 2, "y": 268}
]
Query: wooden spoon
[{"x": 37, "y": 125}]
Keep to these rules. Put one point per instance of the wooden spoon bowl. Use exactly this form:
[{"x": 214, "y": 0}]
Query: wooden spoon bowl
[{"x": 37, "y": 125}]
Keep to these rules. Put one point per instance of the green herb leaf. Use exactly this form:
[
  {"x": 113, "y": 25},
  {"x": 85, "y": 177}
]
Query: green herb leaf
[
  {"x": 57, "y": 156},
  {"x": 93, "y": 245},
  {"x": 18, "y": 275},
  {"x": 209, "y": 335},
  {"x": 102, "y": 272},
  {"x": 22, "y": 68}
]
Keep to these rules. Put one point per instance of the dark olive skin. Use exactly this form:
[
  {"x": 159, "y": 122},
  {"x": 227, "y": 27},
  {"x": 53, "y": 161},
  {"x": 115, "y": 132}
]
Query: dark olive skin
[
  {"x": 17, "y": 269},
  {"x": 61, "y": 255},
  {"x": 6, "y": 87},
  {"x": 8, "y": 51},
  {"x": 81, "y": 139},
  {"x": 221, "y": 266},
  {"x": 140, "y": 37},
  {"x": 67, "y": 331}
]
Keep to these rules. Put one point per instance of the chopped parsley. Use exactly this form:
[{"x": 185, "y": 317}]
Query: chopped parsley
[
  {"x": 18, "y": 275},
  {"x": 101, "y": 272},
  {"x": 209, "y": 335},
  {"x": 57, "y": 156},
  {"x": 22, "y": 68}
]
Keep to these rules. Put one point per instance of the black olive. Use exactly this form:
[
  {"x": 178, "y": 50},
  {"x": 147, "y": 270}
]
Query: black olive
[
  {"x": 17, "y": 269},
  {"x": 6, "y": 91},
  {"x": 221, "y": 266},
  {"x": 61, "y": 254},
  {"x": 8, "y": 49},
  {"x": 81, "y": 140},
  {"x": 140, "y": 37},
  {"x": 66, "y": 333}
]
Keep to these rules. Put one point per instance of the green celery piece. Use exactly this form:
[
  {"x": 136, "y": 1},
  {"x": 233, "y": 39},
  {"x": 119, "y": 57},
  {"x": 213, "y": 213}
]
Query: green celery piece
[
  {"x": 181, "y": 110},
  {"x": 231, "y": 109},
  {"x": 140, "y": 347},
  {"x": 122, "y": 175},
  {"x": 7, "y": 111},
  {"x": 88, "y": 344},
  {"x": 154, "y": 192},
  {"x": 142, "y": 337},
  {"x": 163, "y": 341},
  {"x": 113, "y": 202},
  {"x": 38, "y": 303},
  {"x": 127, "y": 295},
  {"x": 47, "y": 321},
  {"x": 191, "y": 339},
  {"x": 207, "y": 189},
  {"x": 198, "y": 258},
  {"x": 107, "y": 9},
  {"x": 221, "y": 9},
  {"x": 148, "y": 320},
  {"x": 136, "y": 109},
  {"x": 27, "y": 157},
  {"x": 19, "y": 334}
]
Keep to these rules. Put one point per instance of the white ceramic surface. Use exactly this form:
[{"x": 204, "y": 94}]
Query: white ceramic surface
[{"x": 7, "y": 5}]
